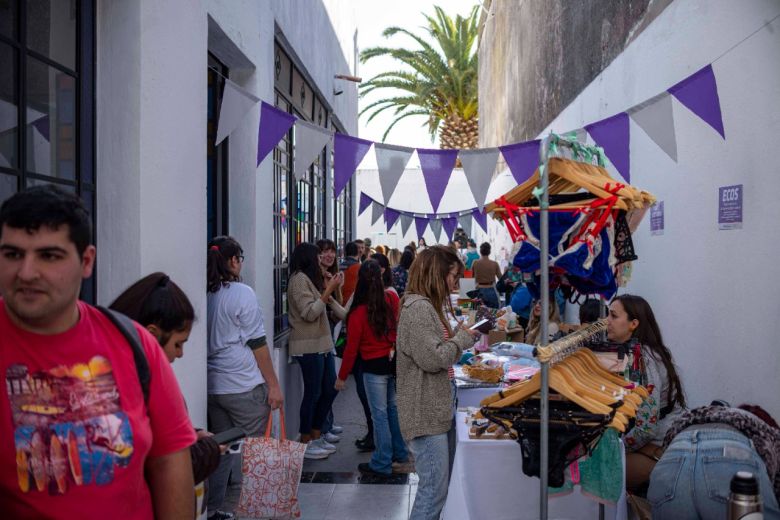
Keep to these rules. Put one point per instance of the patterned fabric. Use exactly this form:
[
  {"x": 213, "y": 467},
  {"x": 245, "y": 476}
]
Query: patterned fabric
[
  {"x": 400, "y": 279},
  {"x": 765, "y": 438},
  {"x": 271, "y": 471}
]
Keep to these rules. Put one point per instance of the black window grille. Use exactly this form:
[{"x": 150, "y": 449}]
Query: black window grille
[{"x": 216, "y": 155}]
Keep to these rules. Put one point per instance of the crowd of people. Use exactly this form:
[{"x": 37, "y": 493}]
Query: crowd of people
[{"x": 89, "y": 386}]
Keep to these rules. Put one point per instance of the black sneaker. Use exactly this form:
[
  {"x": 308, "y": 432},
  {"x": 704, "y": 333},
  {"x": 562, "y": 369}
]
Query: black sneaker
[
  {"x": 366, "y": 469},
  {"x": 366, "y": 445},
  {"x": 221, "y": 515}
]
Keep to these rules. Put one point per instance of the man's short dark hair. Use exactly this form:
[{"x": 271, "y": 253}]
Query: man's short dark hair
[
  {"x": 484, "y": 249},
  {"x": 590, "y": 311},
  {"x": 49, "y": 206},
  {"x": 351, "y": 249}
]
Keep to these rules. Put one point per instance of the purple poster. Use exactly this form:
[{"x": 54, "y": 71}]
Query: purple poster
[
  {"x": 657, "y": 218},
  {"x": 730, "y": 207}
]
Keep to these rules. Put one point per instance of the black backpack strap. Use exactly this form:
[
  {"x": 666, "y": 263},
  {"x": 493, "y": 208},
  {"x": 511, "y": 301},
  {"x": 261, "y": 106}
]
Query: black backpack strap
[{"x": 128, "y": 330}]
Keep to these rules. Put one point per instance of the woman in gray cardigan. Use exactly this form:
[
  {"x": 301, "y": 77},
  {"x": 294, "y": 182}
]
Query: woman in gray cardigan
[
  {"x": 311, "y": 343},
  {"x": 427, "y": 346}
]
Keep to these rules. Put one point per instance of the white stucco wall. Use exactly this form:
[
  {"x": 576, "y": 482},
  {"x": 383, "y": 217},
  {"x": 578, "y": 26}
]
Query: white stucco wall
[
  {"x": 151, "y": 126},
  {"x": 713, "y": 292}
]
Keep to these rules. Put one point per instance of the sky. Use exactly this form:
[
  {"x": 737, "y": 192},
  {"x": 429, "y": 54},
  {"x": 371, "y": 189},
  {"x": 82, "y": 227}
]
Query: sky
[{"x": 374, "y": 17}]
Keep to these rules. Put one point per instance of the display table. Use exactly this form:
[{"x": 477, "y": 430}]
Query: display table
[
  {"x": 470, "y": 397},
  {"x": 488, "y": 482}
]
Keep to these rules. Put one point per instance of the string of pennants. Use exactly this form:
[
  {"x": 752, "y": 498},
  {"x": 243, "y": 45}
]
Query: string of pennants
[
  {"x": 448, "y": 222},
  {"x": 698, "y": 92}
]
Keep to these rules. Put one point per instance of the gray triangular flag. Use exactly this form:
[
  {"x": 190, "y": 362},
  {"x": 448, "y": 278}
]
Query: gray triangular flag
[
  {"x": 465, "y": 223},
  {"x": 377, "y": 210},
  {"x": 655, "y": 117},
  {"x": 436, "y": 228},
  {"x": 309, "y": 142},
  {"x": 479, "y": 165},
  {"x": 406, "y": 222},
  {"x": 391, "y": 162},
  {"x": 236, "y": 103}
]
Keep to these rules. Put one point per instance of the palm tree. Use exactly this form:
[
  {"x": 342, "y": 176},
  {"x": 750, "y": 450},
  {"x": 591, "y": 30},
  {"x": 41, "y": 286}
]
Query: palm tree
[{"x": 442, "y": 82}]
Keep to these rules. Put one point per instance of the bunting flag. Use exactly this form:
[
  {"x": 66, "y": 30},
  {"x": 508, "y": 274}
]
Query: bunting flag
[
  {"x": 391, "y": 163},
  {"x": 274, "y": 124},
  {"x": 377, "y": 210},
  {"x": 236, "y": 104},
  {"x": 391, "y": 216},
  {"x": 465, "y": 223},
  {"x": 420, "y": 223},
  {"x": 478, "y": 166},
  {"x": 348, "y": 151},
  {"x": 481, "y": 218},
  {"x": 699, "y": 93},
  {"x": 655, "y": 117},
  {"x": 365, "y": 202},
  {"x": 522, "y": 159},
  {"x": 436, "y": 229},
  {"x": 613, "y": 135},
  {"x": 437, "y": 168},
  {"x": 450, "y": 225},
  {"x": 406, "y": 221},
  {"x": 309, "y": 141}
]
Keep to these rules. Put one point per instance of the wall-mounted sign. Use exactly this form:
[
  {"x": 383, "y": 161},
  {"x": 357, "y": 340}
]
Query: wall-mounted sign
[
  {"x": 730, "y": 207},
  {"x": 657, "y": 218}
]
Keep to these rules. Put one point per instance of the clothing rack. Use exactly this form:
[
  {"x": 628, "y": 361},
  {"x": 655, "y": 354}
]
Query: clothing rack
[
  {"x": 566, "y": 345},
  {"x": 544, "y": 232}
]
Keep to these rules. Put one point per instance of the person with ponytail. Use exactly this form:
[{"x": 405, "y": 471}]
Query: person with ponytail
[
  {"x": 308, "y": 298},
  {"x": 428, "y": 344},
  {"x": 631, "y": 319},
  {"x": 242, "y": 384},
  {"x": 372, "y": 323},
  {"x": 158, "y": 304}
]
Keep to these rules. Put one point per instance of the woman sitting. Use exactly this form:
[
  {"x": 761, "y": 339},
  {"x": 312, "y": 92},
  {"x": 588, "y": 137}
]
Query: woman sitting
[
  {"x": 534, "y": 328},
  {"x": 372, "y": 324},
  {"x": 630, "y": 317}
]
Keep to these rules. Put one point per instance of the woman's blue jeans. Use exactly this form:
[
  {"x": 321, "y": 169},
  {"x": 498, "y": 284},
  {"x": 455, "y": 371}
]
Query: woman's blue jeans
[
  {"x": 319, "y": 378},
  {"x": 489, "y": 297},
  {"x": 431, "y": 454},
  {"x": 691, "y": 480},
  {"x": 390, "y": 446}
]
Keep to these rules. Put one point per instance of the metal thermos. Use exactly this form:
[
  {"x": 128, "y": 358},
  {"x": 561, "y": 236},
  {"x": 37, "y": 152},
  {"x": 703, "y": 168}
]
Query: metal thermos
[{"x": 744, "y": 500}]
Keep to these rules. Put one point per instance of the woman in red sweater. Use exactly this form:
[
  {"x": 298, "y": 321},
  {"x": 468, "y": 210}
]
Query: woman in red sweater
[{"x": 371, "y": 326}]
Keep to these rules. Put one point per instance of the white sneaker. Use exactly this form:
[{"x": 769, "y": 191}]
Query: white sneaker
[
  {"x": 332, "y": 438},
  {"x": 325, "y": 445},
  {"x": 315, "y": 451},
  {"x": 337, "y": 430}
]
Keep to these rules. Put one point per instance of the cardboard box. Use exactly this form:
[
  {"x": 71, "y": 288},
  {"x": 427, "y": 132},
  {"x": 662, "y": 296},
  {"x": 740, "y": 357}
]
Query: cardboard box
[{"x": 497, "y": 336}]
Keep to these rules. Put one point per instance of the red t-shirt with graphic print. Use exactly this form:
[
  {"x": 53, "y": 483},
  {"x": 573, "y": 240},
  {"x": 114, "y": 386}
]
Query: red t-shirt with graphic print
[{"x": 74, "y": 429}]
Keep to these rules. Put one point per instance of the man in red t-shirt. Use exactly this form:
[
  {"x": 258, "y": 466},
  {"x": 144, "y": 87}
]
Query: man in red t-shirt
[{"x": 77, "y": 439}]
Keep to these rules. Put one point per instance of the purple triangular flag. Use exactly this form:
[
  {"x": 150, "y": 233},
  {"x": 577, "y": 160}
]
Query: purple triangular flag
[
  {"x": 348, "y": 151},
  {"x": 420, "y": 223},
  {"x": 365, "y": 202},
  {"x": 274, "y": 123},
  {"x": 480, "y": 217},
  {"x": 522, "y": 159},
  {"x": 450, "y": 224},
  {"x": 613, "y": 134},
  {"x": 391, "y": 216},
  {"x": 699, "y": 92},
  {"x": 437, "y": 168}
]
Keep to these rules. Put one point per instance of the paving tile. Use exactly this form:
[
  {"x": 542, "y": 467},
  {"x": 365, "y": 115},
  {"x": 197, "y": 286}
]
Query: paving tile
[
  {"x": 316, "y": 489},
  {"x": 362, "y": 503},
  {"x": 313, "y": 507},
  {"x": 374, "y": 489}
]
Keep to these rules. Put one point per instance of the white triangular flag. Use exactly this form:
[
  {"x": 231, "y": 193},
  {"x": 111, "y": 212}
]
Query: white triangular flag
[
  {"x": 377, "y": 210},
  {"x": 391, "y": 162},
  {"x": 656, "y": 118},
  {"x": 436, "y": 228},
  {"x": 406, "y": 222},
  {"x": 236, "y": 103},
  {"x": 465, "y": 222},
  {"x": 309, "y": 142},
  {"x": 479, "y": 165}
]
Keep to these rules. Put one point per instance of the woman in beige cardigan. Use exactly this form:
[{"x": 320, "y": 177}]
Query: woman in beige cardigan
[
  {"x": 427, "y": 346},
  {"x": 311, "y": 343}
]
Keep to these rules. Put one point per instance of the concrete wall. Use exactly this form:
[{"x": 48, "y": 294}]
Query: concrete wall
[
  {"x": 535, "y": 57},
  {"x": 713, "y": 292},
  {"x": 151, "y": 126}
]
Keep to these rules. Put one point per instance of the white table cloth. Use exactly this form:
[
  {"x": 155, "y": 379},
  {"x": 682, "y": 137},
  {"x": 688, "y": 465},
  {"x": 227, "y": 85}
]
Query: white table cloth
[
  {"x": 488, "y": 482},
  {"x": 470, "y": 397}
]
